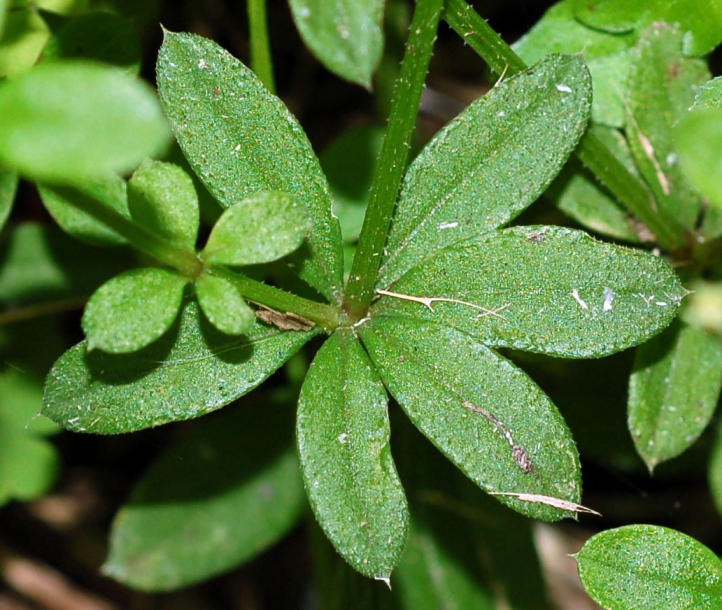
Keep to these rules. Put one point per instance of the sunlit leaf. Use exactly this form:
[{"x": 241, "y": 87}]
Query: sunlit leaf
[{"x": 223, "y": 305}]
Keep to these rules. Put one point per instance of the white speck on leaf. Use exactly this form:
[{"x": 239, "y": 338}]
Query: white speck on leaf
[
  {"x": 608, "y": 299},
  {"x": 202, "y": 64},
  {"x": 343, "y": 438},
  {"x": 564, "y": 88},
  {"x": 577, "y": 298},
  {"x": 448, "y": 225}
]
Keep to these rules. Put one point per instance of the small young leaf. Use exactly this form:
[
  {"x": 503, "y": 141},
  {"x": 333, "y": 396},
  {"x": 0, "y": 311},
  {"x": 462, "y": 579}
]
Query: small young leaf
[
  {"x": 212, "y": 501},
  {"x": 491, "y": 162},
  {"x": 662, "y": 85},
  {"x": 542, "y": 289},
  {"x": 223, "y": 305},
  {"x": 186, "y": 373},
  {"x": 673, "y": 391},
  {"x": 133, "y": 309},
  {"x": 70, "y": 121},
  {"x": 110, "y": 190},
  {"x": 577, "y": 193},
  {"x": 709, "y": 95},
  {"x": 485, "y": 414},
  {"x": 8, "y": 186},
  {"x": 350, "y": 477},
  {"x": 699, "y": 141},
  {"x": 161, "y": 197},
  {"x": 699, "y": 20},
  {"x": 100, "y": 36},
  {"x": 259, "y": 229},
  {"x": 240, "y": 140},
  {"x": 647, "y": 567},
  {"x": 345, "y": 35}
]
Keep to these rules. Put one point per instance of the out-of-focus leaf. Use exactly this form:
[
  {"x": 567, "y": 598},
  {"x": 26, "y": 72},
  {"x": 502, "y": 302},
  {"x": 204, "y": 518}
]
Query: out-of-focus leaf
[
  {"x": 223, "y": 305},
  {"x": 240, "y": 140},
  {"x": 259, "y": 229},
  {"x": 662, "y": 86},
  {"x": 610, "y": 76},
  {"x": 345, "y": 35},
  {"x": 648, "y": 567},
  {"x": 133, "y": 309},
  {"x": 673, "y": 391},
  {"x": 109, "y": 190},
  {"x": 542, "y": 289},
  {"x": 343, "y": 440},
  {"x": 71, "y": 121},
  {"x": 704, "y": 306},
  {"x": 699, "y": 142},
  {"x": 489, "y": 163},
  {"x": 189, "y": 371},
  {"x": 481, "y": 411},
  {"x": 700, "y": 20},
  {"x": 162, "y": 198},
  {"x": 8, "y": 186},
  {"x": 709, "y": 95},
  {"x": 23, "y": 37},
  {"x": 350, "y": 162},
  {"x": 213, "y": 500},
  {"x": 99, "y": 36},
  {"x": 27, "y": 462},
  {"x": 40, "y": 263},
  {"x": 577, "y": 193},
  {"x": 715, "y": 470}
]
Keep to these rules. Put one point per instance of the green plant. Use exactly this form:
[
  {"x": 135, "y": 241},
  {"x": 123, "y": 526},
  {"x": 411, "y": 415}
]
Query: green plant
[{"x": 437, "y": 285}]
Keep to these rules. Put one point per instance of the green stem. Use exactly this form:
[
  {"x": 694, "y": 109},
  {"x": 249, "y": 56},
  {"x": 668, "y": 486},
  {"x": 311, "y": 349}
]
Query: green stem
[
  {"x": 392, "y": 161},
  {"x": 261, "y": 61},
  {"x": 322, "y": 314},
  {"x": 626, "y": 187},
  {"x": 159, "y": 248}
]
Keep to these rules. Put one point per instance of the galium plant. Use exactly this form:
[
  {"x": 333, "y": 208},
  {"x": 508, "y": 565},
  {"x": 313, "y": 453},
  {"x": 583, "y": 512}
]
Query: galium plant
[{"x": 439, "y": 282}]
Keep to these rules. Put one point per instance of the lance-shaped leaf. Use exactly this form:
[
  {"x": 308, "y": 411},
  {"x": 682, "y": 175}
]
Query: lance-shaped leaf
[
  {"x": 542, "y": 289},
  {"x": 186, "y": 373},
  {"x": 240, "y": 140},
  {"x": 673, "y": 391},
  {"x": 648, "y": 567},
  {"x": 223, "y": 305},
  {"x": 489, "y": 163},
  {"x": 133, "y": 309},
  {"x": 661, "y": 87},
  {"x": 484, "y": 413},
  {"x": 701, "y": 21},
  {"x": 69, "y": 121},
  {"x": 345, "y": 35},
  {"x": 162, "y": 198},
  {"x": 343, "y": 440},
  {"x": 260, "y": 229},
  {"x": 110, "y": 190},
  {"x": 212, "y": 501}
]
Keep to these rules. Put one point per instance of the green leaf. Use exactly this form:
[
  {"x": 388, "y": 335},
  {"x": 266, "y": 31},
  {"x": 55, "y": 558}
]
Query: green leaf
[
  {"x": 110, "y": 190},
  {"x": 99, "y": 36},
  {"x": 345, "y": 35},
  {"x": 647, "y": 567},
  {"x": 162, "y": 198},
  {"x": 240, "y": 140},
  {"x": 699, "y": 141},
  {"x": 67, "y": 122},
  {"x": 577, "y": 193},
  {"x": 223, "y": 305},
  {"x": 542, "y": 289},
  {"x": 700, "y": 21},
  {"x": 8, "y": 187},
  {"x": 40, "y": 263},
  {"x": 213, "y": 500},
  {"x": 662, "y": 85},
  {"x": 709, "y": 95},
  {"x": 350, "y": 477},
  {"x": 133, "y": 309},
  {"x": 610, "y": 78},
  {"x": 24, "y": 35},
  {"x": 715, "y": 470},
  {"x": 259, "y": 229},
  {"x": 489, "y": 163},
  {"x": 673, "y": 391},
  {"x": 186, "y": 373},
  {"x": 28, "y": 464},
  {"x": 481, "y": 411}
]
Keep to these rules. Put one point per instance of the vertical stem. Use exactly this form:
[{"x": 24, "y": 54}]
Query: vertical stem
[
  {"x": 394, "y": 152},
  {"x": 625, "y": 186},
  {"x": 261, "y": 62}
]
